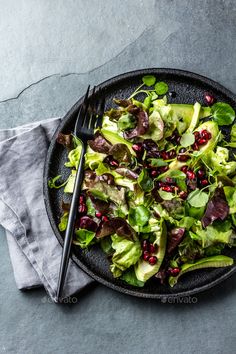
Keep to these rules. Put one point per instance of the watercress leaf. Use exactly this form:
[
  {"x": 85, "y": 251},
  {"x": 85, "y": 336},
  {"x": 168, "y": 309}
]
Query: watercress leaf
[
  {"x": 139, "y": 216},
  {"x": 145, "y": 181},
  {"x": 157, "y": 162},
  {"x": 177, "y": 174},
  {"x": 166, "y": 195},
  {"x": 161, "y": 88},
  {"x": 197, "y": 198},
  {"x": 149, "y": 80},
  {"x": 222, "y": 113},
  {"x": 187, "y": 139}
]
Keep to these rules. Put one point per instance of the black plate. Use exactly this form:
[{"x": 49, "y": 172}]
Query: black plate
[{"x": 190, "y": 88}]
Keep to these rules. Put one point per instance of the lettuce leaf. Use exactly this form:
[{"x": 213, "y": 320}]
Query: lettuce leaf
[
  {"x": 220, "y": 232},
  {"x": 127, "y": 253}
]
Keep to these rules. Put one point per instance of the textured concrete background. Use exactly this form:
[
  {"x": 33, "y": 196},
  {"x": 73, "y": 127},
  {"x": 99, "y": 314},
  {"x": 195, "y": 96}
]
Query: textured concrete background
[{"x": 50, "y": 50}]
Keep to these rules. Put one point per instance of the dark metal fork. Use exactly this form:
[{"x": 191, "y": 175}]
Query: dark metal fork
[{"x": 89, "y": 118}]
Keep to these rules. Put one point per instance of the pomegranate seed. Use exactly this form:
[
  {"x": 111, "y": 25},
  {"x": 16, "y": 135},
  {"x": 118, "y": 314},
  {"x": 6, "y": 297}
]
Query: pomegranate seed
[
  {"x": 152, "y": 260},
  {"x": 165, "y": 155},
  {"x": 209, "y": 98},
  {"x": 82, "y": 209},
  {"x": 209, "y": 135},
  {"x": 114, "y": 163},
  {"x": 145, "y": 245},
  {"x": 105, "y": 218},
  {"x": 137, "y": 147},
  {"x": 184, "y": 169},
  {"x": 161, "y": 184},
  {"x": 152, "y": 248},
  {"x": 183, "y": 195},
  {"x": 200, "y": 174},
  {"x": 182, "y": 150},
  {"x": 169, "y": 180},
  {"x": 204, "y": 134},
  {"x": 183, "y": 158},
  {"x": 154, "y": 173},
  {"x": 178, "y": 140},
  {"x": 174, "y": 272},
  {"x": 164, "y": 169},
  {"x": 197, "y": 135},
  {"x": 204, "y": 182},
  {"x": 146, "y": 255},
  {"x": 81, "y": 199},
  {"x": 172, "y": 154},
  {"x": 167, "y": 189},
  {"x": 195, "y": 146},
  {"x": 98, "y": 215},
  {"x": 190, "y": 174},
  {"x": 202, "y": 141}
]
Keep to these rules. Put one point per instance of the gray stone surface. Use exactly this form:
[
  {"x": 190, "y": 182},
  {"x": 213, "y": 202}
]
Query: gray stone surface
[{"x": 72, "y": 43}]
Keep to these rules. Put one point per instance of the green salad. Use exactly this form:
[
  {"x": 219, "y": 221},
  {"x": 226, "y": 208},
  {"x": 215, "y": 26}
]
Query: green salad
[{"x": 159, "y": 193}]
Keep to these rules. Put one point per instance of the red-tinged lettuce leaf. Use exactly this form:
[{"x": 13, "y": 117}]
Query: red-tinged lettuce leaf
[
  {"x": 88, "y": 223},
  {"x": 100, "y": 144},
  {"x": 175, "y": 237},
  {"x": 142, "y": 124},
  {"x": 125, "y": 172},
  {"x": 115, "y": 226},
  {"x": 121, "y": 153},
  {"x": 217, "y": 208},
  {"x": 90, "y": 179},
  {"x": 100, "y": 205},
  {"x": 123, "y": 102},
  {"x": 65, "y": 140}
]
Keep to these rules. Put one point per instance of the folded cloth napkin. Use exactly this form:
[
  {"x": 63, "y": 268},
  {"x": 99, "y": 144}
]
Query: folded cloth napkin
[{"x": 34, "y": 250}]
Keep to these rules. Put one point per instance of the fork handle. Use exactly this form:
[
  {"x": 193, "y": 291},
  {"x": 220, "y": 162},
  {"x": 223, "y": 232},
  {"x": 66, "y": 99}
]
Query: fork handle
[{"x": 70, "y": 225}]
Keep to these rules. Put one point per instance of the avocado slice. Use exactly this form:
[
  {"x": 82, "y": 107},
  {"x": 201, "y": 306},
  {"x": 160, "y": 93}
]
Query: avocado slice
[
  {"x": 69, "y": 187},
  {"x": 195, "y": 117},
  {"x": 186, "y": 111},
  {"x": 209, "y": 262},
  {"x": 143, "y": 269}
]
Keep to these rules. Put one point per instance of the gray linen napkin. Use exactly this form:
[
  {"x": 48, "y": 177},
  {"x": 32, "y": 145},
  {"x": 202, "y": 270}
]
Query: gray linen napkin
[{"x": 34, "y": 250}]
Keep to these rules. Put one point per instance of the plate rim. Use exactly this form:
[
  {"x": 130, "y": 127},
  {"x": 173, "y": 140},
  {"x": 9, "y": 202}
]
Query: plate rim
[{"x": 80, "y": 264}]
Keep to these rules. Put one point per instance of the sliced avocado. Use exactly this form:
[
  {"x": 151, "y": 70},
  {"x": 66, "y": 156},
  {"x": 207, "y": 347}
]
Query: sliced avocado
[
  {"x": 115, "y": 138},
  {"x": 69, "y": 187},
  {"x": 143, "y": 269},
  {"x": 211, "y": 127},
  {"x": 195, "y": 117},
  {"x": 209, "y": 262},
  {"x": 185, "y": 112}
]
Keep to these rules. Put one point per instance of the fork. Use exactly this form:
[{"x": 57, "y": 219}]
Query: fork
[{"x": 89, "y": 118}]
